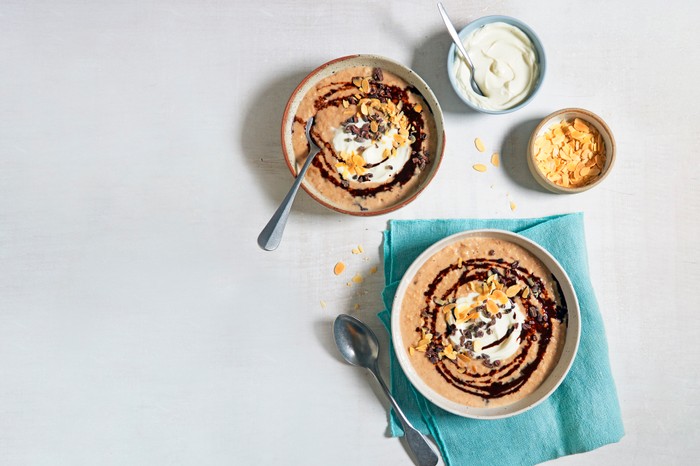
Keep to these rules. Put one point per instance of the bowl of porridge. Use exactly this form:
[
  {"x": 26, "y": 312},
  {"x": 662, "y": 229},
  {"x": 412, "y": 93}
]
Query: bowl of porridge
[
  {"x": 485, "y": 324},
  {"x": 380, "y": 130}
]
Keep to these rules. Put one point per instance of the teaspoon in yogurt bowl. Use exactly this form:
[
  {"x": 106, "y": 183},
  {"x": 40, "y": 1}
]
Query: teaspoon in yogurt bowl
[
  {"x": 458, "y": 42},
  {"x": 359, "y": 346},
  {"x": 271, "y": 236},
  {"x": 510, "y": 64}
]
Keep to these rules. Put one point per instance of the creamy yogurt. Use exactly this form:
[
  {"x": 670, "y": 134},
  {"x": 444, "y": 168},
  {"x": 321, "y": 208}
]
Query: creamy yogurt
[
  {"x": 505, "y": 63},
  {"x": 376, "y": 161}
]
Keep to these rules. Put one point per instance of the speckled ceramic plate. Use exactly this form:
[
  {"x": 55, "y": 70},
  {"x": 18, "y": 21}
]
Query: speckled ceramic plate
[
  {"x": 549, "y": 384},
  {"x": 373, "y": 61}
]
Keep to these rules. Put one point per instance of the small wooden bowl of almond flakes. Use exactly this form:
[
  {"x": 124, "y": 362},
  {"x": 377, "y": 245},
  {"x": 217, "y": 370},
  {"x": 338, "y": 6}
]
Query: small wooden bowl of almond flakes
[{"x": 571, "y": 151}]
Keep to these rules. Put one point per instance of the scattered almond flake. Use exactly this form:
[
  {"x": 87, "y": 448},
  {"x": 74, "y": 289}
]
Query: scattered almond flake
[
  {"x": 323, "y": 304},
  {"x": 421, "y": 348},
  {"x": 411, "y": 351},
  {"x": 495, "y": 159},
  {"x": 359, "y": 248},
  {"x": 357, "y": 278},
  {"x": 479, "y": 145},
  {"x": 357, "y": 307},
  {"x": 513, "y": 206},
  {"x": 357, "y": 81},
  {"x": 480, "y": 167},
  {"x": 373, "y": 270},
  {"x": 418, "y": 108},
  {"x": 355, "y": 251},
  {"x": 526, "y": 292},
  {"x": 346, "y": 104},
  {"x": 339, "y": 268}
]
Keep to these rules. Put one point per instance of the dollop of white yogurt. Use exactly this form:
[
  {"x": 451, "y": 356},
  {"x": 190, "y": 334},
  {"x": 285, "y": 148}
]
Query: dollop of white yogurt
[
  {"x": 505, "y": 64},
  {"x": 381, "y": 166}
]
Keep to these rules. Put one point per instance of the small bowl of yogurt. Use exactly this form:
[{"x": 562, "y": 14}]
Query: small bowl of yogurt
[{"x": 509, "y": 63}]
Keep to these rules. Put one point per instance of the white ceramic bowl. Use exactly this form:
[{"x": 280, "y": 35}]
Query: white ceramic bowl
[
  {"x": 573, "y": 333},
  {"x": 569, "y": 114},
  {"x": 373, "y": 61},
  {"x": 539, "y": 51}
]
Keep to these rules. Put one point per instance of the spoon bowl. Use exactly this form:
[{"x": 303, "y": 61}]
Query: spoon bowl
[{"x": 355, "y": 341}]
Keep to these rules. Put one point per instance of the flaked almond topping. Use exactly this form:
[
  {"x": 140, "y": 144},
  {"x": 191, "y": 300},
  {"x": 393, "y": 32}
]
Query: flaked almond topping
[
  {"x": 357, "y": 278},
  {"x": 373, "y": 270},
  {"x": 526, "y": 292},
  {"x": 513, "y": 206},
  {"x": 500, "y": 296},
  {"x": 346, "y": 104},
  {"x": 411, "y": 351},
  {"x": 357, "y": 307},
  {"x": 357, "y": 82},
  {"x": 422, "y": 348},
  {"x": 339, "y": 268},
  {"x": 480, "y": 167},
  {"x": 355, "y": 251},
  {"x": 479, "y": 145},
  {"x": 495, "y": 159},
  {"x": 513, "y": 290},
  {"x": 365, "y": 86},
  {"x": 491, "y": 307},
  {"x": 323, "y": 304},
  {"x": 450, "y": 353}
]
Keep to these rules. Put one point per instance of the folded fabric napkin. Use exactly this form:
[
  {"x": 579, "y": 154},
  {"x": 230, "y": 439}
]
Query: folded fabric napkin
[{"x": 581, "y": 415}]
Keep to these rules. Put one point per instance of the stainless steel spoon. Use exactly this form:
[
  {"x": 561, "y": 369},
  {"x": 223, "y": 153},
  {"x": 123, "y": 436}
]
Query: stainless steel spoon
[
  {"x": 359, "y": 346},
  {"x": 458, "y": 42},
  {"x": 271, "y": 236}
]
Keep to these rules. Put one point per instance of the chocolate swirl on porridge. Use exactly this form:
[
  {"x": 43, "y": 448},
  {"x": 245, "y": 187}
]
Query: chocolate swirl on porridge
[
  {"x": 486, "y": 322},
  {"x": 375, "y": 132}
]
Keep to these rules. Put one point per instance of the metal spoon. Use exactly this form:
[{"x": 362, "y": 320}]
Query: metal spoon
[
  {"x": 458, "y": 42},
  {"x": 271, "y": 236},
  {"x": 359, "y": 346}
]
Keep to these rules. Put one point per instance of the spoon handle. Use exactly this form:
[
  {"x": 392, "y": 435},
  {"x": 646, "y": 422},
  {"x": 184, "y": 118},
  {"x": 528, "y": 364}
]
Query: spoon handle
[
  {"x": 423, "y": 452},
  {"x": 271, "y": 236},
  {"x": 455, "y": 36}
]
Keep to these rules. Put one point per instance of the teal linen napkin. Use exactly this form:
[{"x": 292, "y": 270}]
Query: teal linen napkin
[{"x": 581, "y": 415}]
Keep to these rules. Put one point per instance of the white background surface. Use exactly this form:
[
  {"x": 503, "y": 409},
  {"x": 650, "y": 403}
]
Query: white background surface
[{"x": 140, "y": 157}]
